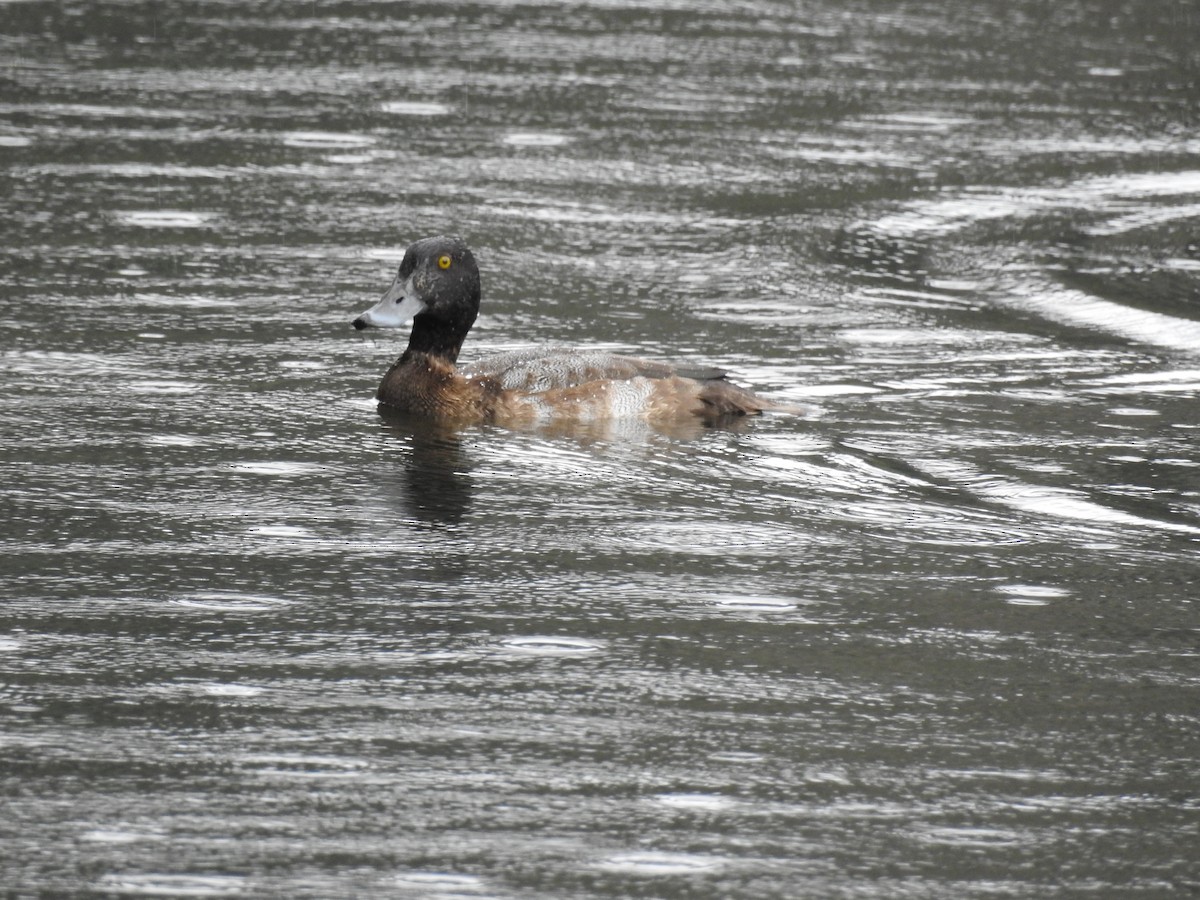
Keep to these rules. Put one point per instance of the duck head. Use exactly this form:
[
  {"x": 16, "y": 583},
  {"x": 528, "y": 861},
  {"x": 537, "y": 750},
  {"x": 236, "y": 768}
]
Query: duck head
[{"x": 437, "y": 286}]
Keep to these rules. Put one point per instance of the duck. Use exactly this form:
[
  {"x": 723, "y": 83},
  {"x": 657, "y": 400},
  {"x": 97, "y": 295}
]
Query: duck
[{"x": 437, "y": 287}]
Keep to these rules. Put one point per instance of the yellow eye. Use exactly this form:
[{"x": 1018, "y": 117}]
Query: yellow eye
[{"x": 443, "y": 262}]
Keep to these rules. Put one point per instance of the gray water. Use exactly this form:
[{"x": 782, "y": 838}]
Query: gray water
[{"x": 936, "y": 639}]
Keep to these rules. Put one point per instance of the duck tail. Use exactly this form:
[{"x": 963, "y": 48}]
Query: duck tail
[{"x": 723, "y": 400}]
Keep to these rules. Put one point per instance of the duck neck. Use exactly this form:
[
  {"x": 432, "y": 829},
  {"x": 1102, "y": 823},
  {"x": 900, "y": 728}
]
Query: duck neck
[{"x": 434, "y": 337}]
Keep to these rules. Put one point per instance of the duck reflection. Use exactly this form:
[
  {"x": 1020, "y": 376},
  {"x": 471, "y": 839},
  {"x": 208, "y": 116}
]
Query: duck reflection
[{"x": 436, "y": 484}]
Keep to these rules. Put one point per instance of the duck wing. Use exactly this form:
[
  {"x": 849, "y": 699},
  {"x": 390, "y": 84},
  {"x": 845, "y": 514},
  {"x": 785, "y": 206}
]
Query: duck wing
[
  {"x": 568, "y": 384},
  {"x": 558, "y": 368}
]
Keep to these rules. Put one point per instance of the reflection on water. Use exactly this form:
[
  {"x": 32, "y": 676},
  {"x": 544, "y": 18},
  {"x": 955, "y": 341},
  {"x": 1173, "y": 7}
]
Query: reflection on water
[
  {"x": 429, "y": 478},
  {"x": 935, "y": 639}
]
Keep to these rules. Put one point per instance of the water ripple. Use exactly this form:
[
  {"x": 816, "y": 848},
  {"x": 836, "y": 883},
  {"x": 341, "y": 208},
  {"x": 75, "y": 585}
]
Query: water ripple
[
  {"x": 326, "y": 140},
  {"x": 230, "y": 601},
  {"x": 650, "y": 864},
  {"x": 535, "y": 645},
  {"x": 164, "y": 218},
  {"x": 164, "y": 885},
  {"x": 441, "y": 884},
  {"x": 416, "y": 108}
]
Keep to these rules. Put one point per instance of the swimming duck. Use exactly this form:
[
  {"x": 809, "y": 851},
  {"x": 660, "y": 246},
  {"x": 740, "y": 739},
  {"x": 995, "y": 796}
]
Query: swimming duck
[{"x": 437, "y": 286}]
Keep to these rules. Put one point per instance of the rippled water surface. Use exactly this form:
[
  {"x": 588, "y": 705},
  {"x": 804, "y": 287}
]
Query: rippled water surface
[{"x": 938, "y": 638}]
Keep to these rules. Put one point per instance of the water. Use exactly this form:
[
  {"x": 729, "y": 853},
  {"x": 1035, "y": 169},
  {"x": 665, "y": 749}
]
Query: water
[{"x": 937, "y": 639}]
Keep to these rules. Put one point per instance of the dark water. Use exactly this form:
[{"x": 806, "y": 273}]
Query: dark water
[{"x": 938, "y": 639}]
